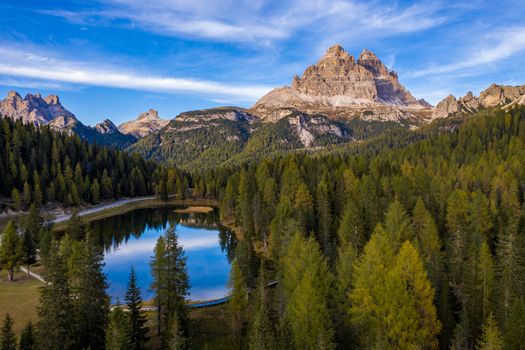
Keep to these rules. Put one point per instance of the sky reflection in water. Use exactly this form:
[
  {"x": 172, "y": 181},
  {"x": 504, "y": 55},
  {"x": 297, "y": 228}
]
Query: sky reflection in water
[{"x": 207, "y": 264}]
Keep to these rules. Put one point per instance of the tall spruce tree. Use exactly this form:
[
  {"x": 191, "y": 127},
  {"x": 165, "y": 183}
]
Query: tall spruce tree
[
  {"x": 170, "y": 282},
  {"x": 137, "y": 318},
  {"x": 27, "y": 338},
  {"x": 7, "y": 335},
  {"x": 56, "y": 317},
  {"x": 90, "y": 300},
  {"x": 262, "y": 335},
  {"x": 238, "y": 302}
]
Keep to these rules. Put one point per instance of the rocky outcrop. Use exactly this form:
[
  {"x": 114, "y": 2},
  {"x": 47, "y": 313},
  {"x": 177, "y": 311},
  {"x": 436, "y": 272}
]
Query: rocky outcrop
[
  {"x": 33, "y": 108},
  {"x": 339, "y": 82},
  {"x": 145, "y": 124},
  {"x": 107, "y": 127},
  {"x": 49, "y": 111},
  {"x": 494, "y": 96}
]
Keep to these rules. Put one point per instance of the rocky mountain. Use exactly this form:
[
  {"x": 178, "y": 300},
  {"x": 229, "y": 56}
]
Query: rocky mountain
[
  {"x": 206, "y": 138},
  {"x": 145, "y": 124},
  {"x": 494, "y": 96},
  {"x": 49, "y": 111},
  {"x": 340, "y": 86}
]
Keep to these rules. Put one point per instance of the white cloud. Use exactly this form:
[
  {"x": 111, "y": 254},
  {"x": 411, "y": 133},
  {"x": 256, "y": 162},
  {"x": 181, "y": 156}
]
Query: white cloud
[
  {"x": 260, "y": 22},
  {"x": 27, "y": 64},
  {"x": 492, "y": 49}
]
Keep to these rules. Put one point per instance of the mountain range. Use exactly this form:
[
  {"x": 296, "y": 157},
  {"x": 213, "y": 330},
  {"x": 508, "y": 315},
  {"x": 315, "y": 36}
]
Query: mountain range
[{"x": 336, "y": 100}]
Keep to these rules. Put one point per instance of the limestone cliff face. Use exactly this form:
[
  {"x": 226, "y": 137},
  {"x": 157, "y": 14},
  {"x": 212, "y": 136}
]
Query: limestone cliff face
[
  {"x": 494, "y": 96},
  {"x": 145, "y": 124},
  {"x": 338, "y": 81},
  {"x": 33, "y": 108}
]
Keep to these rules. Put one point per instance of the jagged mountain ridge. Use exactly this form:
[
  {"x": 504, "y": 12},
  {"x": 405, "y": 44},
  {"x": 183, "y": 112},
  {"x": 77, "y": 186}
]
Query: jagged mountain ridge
[
  {"x": 33, "y": 109},
  {"x": 206, "y": 138},
  {"x": 339, "y": 86},
  {"x": 494, "y": 96}
]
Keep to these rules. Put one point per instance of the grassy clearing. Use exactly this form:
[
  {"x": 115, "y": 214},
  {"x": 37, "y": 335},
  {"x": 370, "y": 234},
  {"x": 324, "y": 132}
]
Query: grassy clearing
[
  {"x": 19, "y": 298},
  {"x": 152, "y": 203}
]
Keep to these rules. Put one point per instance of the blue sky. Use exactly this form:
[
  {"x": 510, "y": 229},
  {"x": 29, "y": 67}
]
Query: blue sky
[{"x": 117, "y": 58}]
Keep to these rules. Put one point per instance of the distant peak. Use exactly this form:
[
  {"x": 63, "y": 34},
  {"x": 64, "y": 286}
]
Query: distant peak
[
  {"x": 13, "y": 93},
  {"x": 151, "y": 114},
  {"x": 52, "y": 100},
  {"x": 106, "y": 127},
  {"x": 367, "y": 55},
  {"x": 335, "y": 50}
]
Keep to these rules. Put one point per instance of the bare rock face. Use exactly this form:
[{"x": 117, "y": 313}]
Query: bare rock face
[
  {"x": 145, "y": 124},
  {"x": 446, "y": 107},
  {"x": 494, "y": 96},
  {"x": 106, "y": 127},
  {"x": 338, "y": 82},
  {"x": 33, "y": 108}
]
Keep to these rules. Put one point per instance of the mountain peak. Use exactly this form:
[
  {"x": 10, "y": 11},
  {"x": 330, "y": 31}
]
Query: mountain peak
[
  {"x": 152, "y": 114},
  {"x": 335, "y": 50},
  {"x": 13, "y": 93},
  {"x": 106, "y": 127},
  {"x": 52, "y": 100},
  {"x": 145, "y": 124},
  {"x": 337, "y": 80}
]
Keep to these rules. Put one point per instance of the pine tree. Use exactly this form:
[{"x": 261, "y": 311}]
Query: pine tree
[
  {"x": 76, "y": 228},
  {"x": 158, "y": 272},
  {"x": 177, "y": 339},
  {"x": 515, "y": 326},
  {"x": 11, "y": 250},
  {"x": 17, "y": 200},
  {"x": 491, "y": 337},
  {"x": 56, "y": 324},
  {"x": 237, "y": 303},
  {"x": 428, "y": 242},
  {"x": 324, "y": 218},
  {"x": 351, "y": 229},
  {"x": 262, "y": 335},
  {"x": 170, "y": 282},
  {"x": 90, "y": 300},
  {"x": 7, "y": 335},
  {"x": 29, "y": 235},
  {"x": 398, "y": 225},
  {"x": 137, "y": 318},
  {"x": 118, "y": 335},
  {"x": 486, "y": 278},
  {"x": 27, "y": 338}
]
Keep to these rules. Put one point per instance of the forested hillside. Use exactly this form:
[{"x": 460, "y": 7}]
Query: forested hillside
[
  {"x": 38, "y": 165},
  {"x": 417, "y": 241}
]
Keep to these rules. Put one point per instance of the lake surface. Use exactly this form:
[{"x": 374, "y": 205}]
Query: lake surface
[{"x": 129, "y": 240}]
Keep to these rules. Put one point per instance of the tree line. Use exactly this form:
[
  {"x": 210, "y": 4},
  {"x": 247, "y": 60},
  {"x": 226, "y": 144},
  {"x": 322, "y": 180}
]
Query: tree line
[
  {"x": 416, "y": 244},
  {"x": 38, "y": 165}
]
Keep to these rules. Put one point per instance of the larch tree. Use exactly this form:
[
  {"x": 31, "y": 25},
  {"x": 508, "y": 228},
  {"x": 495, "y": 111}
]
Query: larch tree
[
  {"x": 237, "y": 303},
  {"x": 491, "y": 336},
  {"x": 118, "y": 334},
  {"x": 11, "y": 250},
  {"x": 515, "y": 326},
  {"x": 262, "y": 335},
  {"x": 56, "y": 321}
]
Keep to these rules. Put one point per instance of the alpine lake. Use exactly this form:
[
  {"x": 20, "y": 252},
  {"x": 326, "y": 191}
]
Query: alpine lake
[{"x": 129, "y": 240}]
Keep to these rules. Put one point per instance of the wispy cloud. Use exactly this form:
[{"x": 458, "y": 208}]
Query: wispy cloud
[
  {"x": 28, "y": 64},
  {"x": 259, "y": 22},
  {"x": 493, "y": 48}
]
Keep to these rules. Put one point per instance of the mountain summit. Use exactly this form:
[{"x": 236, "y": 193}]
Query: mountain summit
[
  {"x": 145, "y": 124},
  {"x": 338, "y": 81}
]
